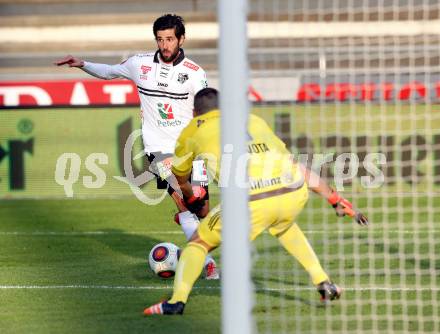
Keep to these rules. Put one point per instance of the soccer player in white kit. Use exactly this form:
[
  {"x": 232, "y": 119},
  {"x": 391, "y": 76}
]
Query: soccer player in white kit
[{"x": 166, "y": 81}]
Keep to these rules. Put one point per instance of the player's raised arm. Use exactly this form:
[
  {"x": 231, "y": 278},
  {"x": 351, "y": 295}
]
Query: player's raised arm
[
  {"x": 341, "y": 205},
  {"x": 102, "y": 71},
  {"x": 69, "y": 60}
]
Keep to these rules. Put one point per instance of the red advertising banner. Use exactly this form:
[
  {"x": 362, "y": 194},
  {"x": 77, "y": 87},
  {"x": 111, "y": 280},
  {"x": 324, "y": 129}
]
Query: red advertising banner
[
  {"x": 68, "y": 92},
  {"x": 123, "y": 92},
  {"x": 386, "y": 91}
]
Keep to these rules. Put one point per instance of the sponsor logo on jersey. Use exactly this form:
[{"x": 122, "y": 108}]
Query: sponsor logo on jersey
[
  {"x": 204, "y": 83},
  {"x": 167, "y": 123},
  {"x": 165, "y": 110},
  {"x": 164, "y": 70},
  {"x": 263, "y": 183},
  {"x": 182, "y": 77},
  {"x": 190, "y": 65},
  {"x": 166, "y": 116},
  {"x": 145, "y": 69},
  {"x": 162, "y": 84}
]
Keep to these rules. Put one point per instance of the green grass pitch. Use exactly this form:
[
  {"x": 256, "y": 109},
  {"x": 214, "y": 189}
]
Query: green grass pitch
[{"x": 79, "y": 266}]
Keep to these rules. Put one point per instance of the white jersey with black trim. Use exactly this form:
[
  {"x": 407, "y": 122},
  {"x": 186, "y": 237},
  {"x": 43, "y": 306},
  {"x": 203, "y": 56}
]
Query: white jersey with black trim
[{"x": 166, "y": 92}]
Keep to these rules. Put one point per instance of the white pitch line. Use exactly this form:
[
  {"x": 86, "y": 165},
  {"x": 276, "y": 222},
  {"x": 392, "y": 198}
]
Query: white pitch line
[
  {"x": 169, "y": 287},
  {"x": 74, "y": 233},
  {"x": 144, "y": 232}
]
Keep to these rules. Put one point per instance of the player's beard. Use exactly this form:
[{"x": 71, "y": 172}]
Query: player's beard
[{"x": 170, "y": 58}]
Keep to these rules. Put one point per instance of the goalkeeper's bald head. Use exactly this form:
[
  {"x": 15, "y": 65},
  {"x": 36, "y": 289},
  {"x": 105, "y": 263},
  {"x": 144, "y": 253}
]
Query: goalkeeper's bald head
[{"x": 205, "y": 100}]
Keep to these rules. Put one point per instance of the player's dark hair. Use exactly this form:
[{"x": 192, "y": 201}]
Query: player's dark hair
[
  {"x": 170, "y": 21},
  {"x": 205, "y": 100}
]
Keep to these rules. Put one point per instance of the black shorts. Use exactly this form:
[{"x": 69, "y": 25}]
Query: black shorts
[{"x": 155, "y": 157}]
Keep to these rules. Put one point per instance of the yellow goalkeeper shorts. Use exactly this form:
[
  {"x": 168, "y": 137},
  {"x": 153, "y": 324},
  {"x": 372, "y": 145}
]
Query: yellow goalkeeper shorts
[{"x": 276, "y": 214}]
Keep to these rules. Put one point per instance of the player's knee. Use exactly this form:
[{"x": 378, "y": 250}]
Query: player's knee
[{"x": 195, "y": 239}]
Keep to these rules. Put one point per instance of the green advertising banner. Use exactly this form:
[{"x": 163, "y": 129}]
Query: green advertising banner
[
  {"x": 75, "y": 153},
  {"x": 364, "y": 145},
  {"x": 66, "y": 153}
]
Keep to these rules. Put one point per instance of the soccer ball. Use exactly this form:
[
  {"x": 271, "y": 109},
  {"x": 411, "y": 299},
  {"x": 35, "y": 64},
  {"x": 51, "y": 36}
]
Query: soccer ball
[{"x": 163, "y": 259}]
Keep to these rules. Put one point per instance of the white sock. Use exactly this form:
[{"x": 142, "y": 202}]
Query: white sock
[{"x": 189, "y": 223}]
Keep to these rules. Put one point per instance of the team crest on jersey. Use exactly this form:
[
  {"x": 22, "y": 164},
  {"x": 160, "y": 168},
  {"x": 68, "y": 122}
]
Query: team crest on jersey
[
  {"x": 145, "y": 69},
  {"x": 165, "y": 110},
  {"x": 182, "y": 77}
]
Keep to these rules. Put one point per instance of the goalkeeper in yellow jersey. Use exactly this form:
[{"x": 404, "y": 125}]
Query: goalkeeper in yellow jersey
[{"x": 278, "y": 191}]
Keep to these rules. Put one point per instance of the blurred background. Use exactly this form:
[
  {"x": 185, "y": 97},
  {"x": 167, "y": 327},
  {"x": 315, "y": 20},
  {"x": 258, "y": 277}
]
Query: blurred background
[
  {"x": 329, "y": 76},
  {"x": 361, "y": 38}
]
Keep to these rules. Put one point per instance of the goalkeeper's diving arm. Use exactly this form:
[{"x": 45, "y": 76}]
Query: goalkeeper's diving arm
[{"x": 340, "y": 204}]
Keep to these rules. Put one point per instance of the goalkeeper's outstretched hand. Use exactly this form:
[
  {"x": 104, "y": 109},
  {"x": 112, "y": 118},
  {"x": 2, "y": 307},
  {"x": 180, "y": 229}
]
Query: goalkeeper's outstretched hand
[
  {"x": 196, "y": 202},
  {"x": 344, "y": 207}
]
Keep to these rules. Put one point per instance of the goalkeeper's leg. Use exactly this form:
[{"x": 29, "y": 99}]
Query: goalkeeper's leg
[
  {"x": 188, "y": 270},
  {"x": 189, "y": 223},
  {"x": 295, "y": 242},
  {"x": 207, "y": 237},
  {"x": 288, "y": 207},
  {"x": 187, "y": 220}
]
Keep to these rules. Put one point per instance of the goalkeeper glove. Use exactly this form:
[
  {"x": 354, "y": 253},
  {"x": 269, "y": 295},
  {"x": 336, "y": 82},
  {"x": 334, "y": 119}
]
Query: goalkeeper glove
[
  {"x": 344, "y": 207},
  {"x": 196, "y": 202}
]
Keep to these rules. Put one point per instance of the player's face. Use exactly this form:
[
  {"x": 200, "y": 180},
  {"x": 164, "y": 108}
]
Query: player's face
[{"x": 168, "y": 44}]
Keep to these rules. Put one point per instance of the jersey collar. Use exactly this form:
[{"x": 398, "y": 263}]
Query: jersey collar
[{"x": 178, "y": 60}]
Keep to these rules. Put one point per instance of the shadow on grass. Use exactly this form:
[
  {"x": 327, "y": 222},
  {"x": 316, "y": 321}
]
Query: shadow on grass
[
  {"x": 56, "y": 257},
  {"x": 260, "y": 287},
  {"x": 138, "y": 246}
]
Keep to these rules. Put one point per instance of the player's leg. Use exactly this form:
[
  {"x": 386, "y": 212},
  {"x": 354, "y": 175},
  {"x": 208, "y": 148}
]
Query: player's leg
[
  {"x": 189, "y": 223},
  {"x": 276, "y": 214},
  {"x": 295, "y": 242},
  {"x": 190, "y": 264},
  {"x": 189, "y": 268},
  {"x": 207, "y": 237},
  {"x": 160, "y": 166}
]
